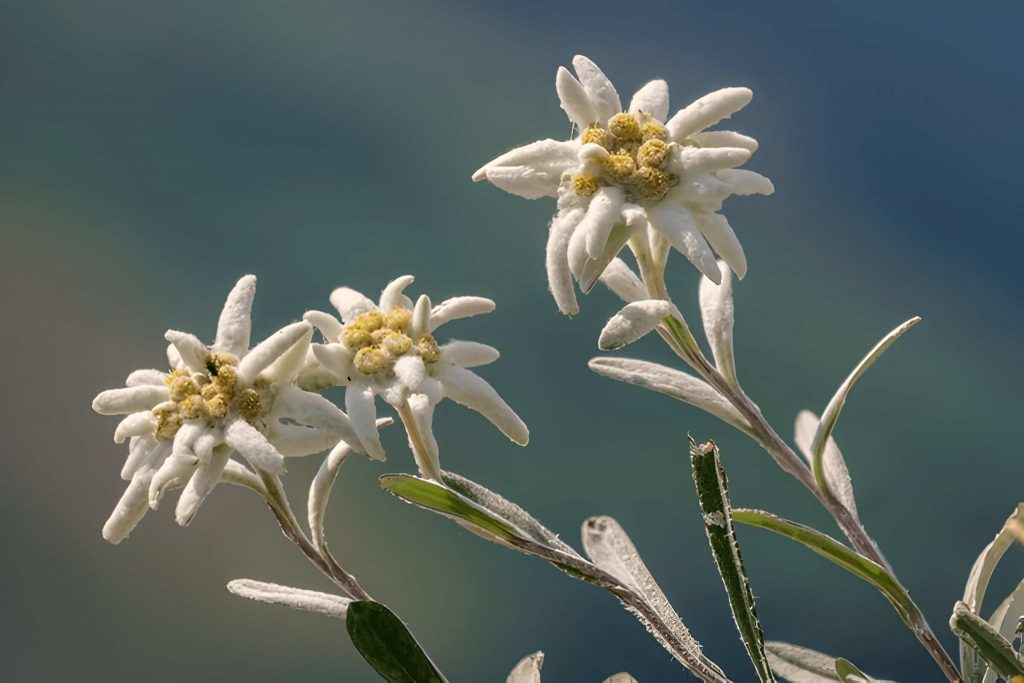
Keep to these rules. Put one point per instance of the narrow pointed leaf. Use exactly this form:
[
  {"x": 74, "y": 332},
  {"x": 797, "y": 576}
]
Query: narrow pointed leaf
[
  {"x": 831, "y": 413},
  {"x": 848, "y": 673},
  {"x": 826, "y": 546},
  {"x": 800, "y": 664},
  {"x": 832, "y": 462},
  {"x": 387, "y": 645},
  {"x": 992, "y": 647},
  {"x": 528, "y": 669},
  {"x": 610, "y": 548},
  {"x": 713, "y": 494}
]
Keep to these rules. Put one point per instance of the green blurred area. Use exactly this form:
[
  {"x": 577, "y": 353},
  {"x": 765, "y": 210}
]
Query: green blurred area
[{"x": 152, "y": 153}]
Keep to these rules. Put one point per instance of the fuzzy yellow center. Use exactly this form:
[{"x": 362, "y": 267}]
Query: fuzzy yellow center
[
  {"x": 379, "y": 339},
  {"x": 637, "y": 153},
  {"x": 209, "y": 395}
]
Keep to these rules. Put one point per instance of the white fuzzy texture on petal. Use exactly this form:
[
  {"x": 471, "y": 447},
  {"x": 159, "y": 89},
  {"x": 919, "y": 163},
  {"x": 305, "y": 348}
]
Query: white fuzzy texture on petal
[
  {"x": 350, "y": 303},
  {"x": 410, "y": 371},
  {"x": 298, "y": 441},
  {"x": 200, "y": 485},
  {"x": 557, "y": 260},
  {"x": 574, "y": 99},
  {"x": 678, "y": 226},
  {"x": 329, "y": 326},
  {"x": 704, "y": 189},
  {"x": 134, "y": 503},
  {"x": 468, "y": 354},
  {"x": 604, "y": 211},
  {"x": 717, "y": 312},
  {"x": 307, "y": 408},
  {"x": 130, "y": 399},
  {"x": 725, "y": 138},
  {"x": 136, "y": 424},
  {"x": 693, "y": 160},
  {"x": 745, "y": 182},
  {"x": 423, "y": 414},
  {"x": 392, "y": 295},
  {"x": 458, "y": 307},
  {"x": 362, "y": 410},
  {"x": 651, "y": 99},
  {"x": 722, "y": 239},
  {"x": 193, "y": 353},
  {"x": 707, "y": 111},
  {"x": 634, "y": 321},
  {"x": 173, "y": 473},
  {"x": 619, "y": 278},
  {"x": 468, "y": 389},
  {"x": 270, "y": 349},
  {"x": 286, "y": 368},
  {"x": 336, "y": 358},
  {"x": 141, "y": 377},
  {"x": 235, "y": 323},
  {"x": 238, "y": 474},
  {"x": 576, "y": 253},
  {"x": 142, "y": 449},
  {"x": 296, "y": 598},
  {"x": 253, "y": 446},
  {"x": 527, "y": 670},
  {"x": 598, "y": 88},
  {"x": 174, "y": 358},
  {"x": 421, "y": 314},
  {"x": 531, "y": 171},
  {"x": 592, "y": 268},
  {"x": 670, "y": 382}
]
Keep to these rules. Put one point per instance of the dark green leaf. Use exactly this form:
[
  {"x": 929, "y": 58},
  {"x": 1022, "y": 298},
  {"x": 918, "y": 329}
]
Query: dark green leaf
[
  {"x": 992, "y": 647},
  {"x": 388, "y": 646},
  {"x": 848, "y": 673},
  {"x": 713, "y": 494}
]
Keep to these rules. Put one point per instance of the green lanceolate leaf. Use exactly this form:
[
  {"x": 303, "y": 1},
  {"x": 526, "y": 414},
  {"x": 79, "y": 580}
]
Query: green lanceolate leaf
[
  {"x": 713, "y": 494},
  {"x": 831, "y": 412},
  {"x": 992, "y": 647},
  {"x": 387, "y": 645},
  {"x": 848, "y": 673},
  {"x": 826, "y": 546},
  {"x": 802, "y": 665}
]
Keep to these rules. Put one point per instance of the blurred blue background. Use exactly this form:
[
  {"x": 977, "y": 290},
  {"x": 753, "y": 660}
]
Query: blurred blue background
[{"x": 151, "y": 153}]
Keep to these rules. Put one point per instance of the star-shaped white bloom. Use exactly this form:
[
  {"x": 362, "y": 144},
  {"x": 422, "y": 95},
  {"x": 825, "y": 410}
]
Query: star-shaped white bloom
[
  {"x": 184, "y": 425},
  {"x": 388, "y": 350},
  {"x": 633, "y": 172}
]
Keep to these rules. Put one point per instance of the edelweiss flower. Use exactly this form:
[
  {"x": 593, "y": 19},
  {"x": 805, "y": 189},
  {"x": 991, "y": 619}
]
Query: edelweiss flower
[
  {"x": 185, "y": 424},
  {"x": 388, "y": 350},
  {"x": 630, "y": 172}
]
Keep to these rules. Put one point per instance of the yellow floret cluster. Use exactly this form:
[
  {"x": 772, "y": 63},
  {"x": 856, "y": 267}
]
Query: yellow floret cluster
[
  {"x": 637, "y": 146},
  {"x": 210, "y": 395},
  {"x": 379, "y": 339}
]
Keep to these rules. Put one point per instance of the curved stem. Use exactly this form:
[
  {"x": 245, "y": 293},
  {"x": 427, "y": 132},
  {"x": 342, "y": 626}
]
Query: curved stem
[{"x": 425, "y": 458}]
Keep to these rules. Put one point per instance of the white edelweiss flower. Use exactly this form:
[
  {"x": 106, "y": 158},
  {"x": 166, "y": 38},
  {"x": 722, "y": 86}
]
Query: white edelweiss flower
[
  {"x": 184, "y": 425},
  {"x": 630, "y": 171},
  {"x": 389, "y": 350}
]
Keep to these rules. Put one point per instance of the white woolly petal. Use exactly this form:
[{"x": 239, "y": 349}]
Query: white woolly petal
[
  {"x": 693, "y": 160},
  {"x": 593, "y": 268},
  {"x": 619, "y": 278},
  {"x": 531, "y": 171},
  {"x": 458, "y": 307},
  {"x": 678, "y": 226},
  {"x": 204, "y": 444},
  {"x": 527, "y": 670},
  {"x": 350, "y": 303},
  {"x": 576, "y": 253},
  {"x": 202, "y": 483},
  {"x": 298, "y": 441},
  {"x": 468, "y": 389},
  {"x": 604, "y": 211},
  {"x": 143, "y": 449},
  {"x": 557, "y": 260},
  {"x": 269, "y": 350},
  {"x": 185, "y": 438},
  {"x": 745, "y": 182},
  {"x": 468, "y": 354},
  {"x": 670, "y": 382},
  {"x": 141, "y": 377},
  {"x": 136, "y": 424},
  {"x": 129, "y": 399},
  {"x": 329, "y": 326},
  {"x": 707, "y": 111},
  {"x": 591, "y": 153},
  {"x": 336, "y": 358},
  {"x": 421, "y": 313},
  {"x": 286, "y": 368},
  {"x": 634, "y": 321},
  {"x": 721, "y": 237},
  {"x": 362, "y": 411},
  {"x": 392, "y": 295},
  {"x": 410, "y": 371},
  {"x": 314, "y": 410},
  {"x": 235, "y": 323},
  {"x": 703, "y": 189},
  {"x": 253, "y": 446},
  {"x": 725, "y": 138},
  {"x": 238, "y": 474},
  {"x": 296, "y": 598},
  {"x": 651, "y": 99},
  {"x": 173, "y": 473},
  {"x": 598, "y": 88},
  {"x": 174, "y": 360},
  {"x": 423, "y": 413},
  {"x": 433, "y": 390},
  {"x": 574, "y": 99},
  {"x": 132, "y": 506},
  {"x": 193, "y": 353},
  {"x": 716, "y": 311}
]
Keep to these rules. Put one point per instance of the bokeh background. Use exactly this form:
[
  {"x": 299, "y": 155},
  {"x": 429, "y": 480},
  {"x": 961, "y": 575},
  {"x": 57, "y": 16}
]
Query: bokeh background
[{"x": 151, "y": 153}]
